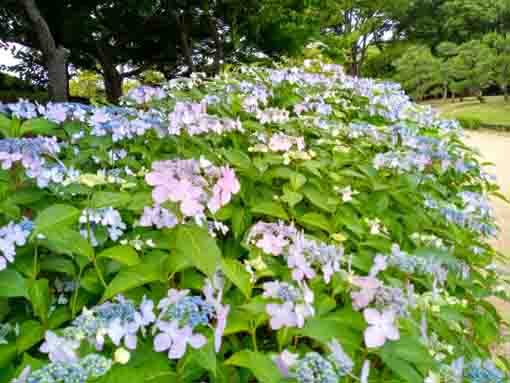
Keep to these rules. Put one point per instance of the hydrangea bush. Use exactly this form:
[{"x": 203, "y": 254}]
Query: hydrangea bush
[{"x": 287, "y": 224}]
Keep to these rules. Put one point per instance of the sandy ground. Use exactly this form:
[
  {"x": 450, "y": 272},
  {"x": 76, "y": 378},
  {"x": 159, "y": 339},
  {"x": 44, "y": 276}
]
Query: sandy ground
[{"x": 495, "y": 148}]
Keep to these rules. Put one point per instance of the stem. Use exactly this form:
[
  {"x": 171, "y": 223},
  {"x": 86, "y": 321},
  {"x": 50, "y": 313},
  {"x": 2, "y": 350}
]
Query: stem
[
  {"x": 98, "y": 272},
  {"x": 254, "y": 339},
  {"x": 74, "y": 299},
  {"x": 36, "y": 258},
  {"x": 94, "y": 261}
]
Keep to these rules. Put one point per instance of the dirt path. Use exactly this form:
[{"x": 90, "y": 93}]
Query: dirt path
[{"x": 495, "y": 148}]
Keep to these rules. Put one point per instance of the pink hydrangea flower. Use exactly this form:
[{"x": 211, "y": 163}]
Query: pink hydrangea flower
[{"x": 381, "y": 327}]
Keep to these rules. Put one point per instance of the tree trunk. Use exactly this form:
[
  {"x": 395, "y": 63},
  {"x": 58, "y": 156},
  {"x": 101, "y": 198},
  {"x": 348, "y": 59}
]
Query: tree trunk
[
  {"x": 505, "y": 92},
  {"x": 218, "y": 43},
  {"x": 55, "y": 56},
  {"x": 112, "y": 84},
  {"x": 111, "y": 76},
  {"x": 185, "y": 45},
  {"x": 445, "y": 91},
  {"x": 58, "y": 82}
]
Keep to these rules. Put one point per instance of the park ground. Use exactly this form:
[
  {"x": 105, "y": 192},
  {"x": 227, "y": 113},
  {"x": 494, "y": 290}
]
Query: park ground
[
  {"x": 494, "y": 147},
  {"x": 494, "y": 111}
]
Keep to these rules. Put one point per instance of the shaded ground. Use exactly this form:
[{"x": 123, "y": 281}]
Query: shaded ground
[{"x": 494, "y": 111}]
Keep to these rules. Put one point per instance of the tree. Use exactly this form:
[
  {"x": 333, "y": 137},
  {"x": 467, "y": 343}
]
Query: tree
[
  {"x": 24, "y": 22},
  {"x": 418, "y": 71},
  {"x": 446, "y": 72},
  {"x": 500, "y": 60},
  {"x": 360, "y": 24},
  {"x": 473, "y": 68}
]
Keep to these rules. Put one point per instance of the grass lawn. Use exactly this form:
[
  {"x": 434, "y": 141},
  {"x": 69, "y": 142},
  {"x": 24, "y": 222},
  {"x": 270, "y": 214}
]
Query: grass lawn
[{"x": 494, "y": 111}]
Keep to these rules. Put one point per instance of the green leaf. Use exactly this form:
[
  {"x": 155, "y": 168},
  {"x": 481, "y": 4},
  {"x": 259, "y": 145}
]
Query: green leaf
[
  {"x": 38, "y": 126},
  {"x": 316, "y": 221},
  {"x": 107, "y": 199},
  {"x": 205, "y": 357},
  {"x": 238, "y": 158},
  {"x": 7, "y": 354},
  {"x": 401, "y": 367},
  {"x": 5, "y": 126},
  {"x": 323, "y": 330},
  {"x": 59, "y": 264},
  {"x": 235, "y": 271},
  {"x": 320, "y": 199},
  {"x": 241, "y": 219},
  {"x": 31, "y": 333},
  {"x": 411, "y": 350},
  {"x": 66, "y": 241},
  {"x": 55, "y": 217},
  {"x": 261, "y": 365},
  {"x": 199, "y": 246},
  {"x": 272, "y": 209},
  {"x": 12, "y": 284},
  {"x": 39, "y": 296},
  {"x": 122, "y": 254},
  {"x": 136, "y": 276}
]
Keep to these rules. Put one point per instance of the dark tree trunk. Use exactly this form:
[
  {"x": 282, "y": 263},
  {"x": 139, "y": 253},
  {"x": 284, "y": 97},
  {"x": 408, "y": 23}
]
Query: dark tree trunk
[
  {"x": 184, "y": 42},
  {"x": 55, "y": 56},
  {"x": 445, "y": 91},
  {"x": 111, "y": 76},
  {"x": 218, "y": 43},
  {"x": 505, "y": 92},
  {"x": 113, "y": 85}
]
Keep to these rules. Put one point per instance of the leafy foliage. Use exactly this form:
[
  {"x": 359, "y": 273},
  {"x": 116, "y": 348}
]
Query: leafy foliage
[{"x": 268, "y": 224}]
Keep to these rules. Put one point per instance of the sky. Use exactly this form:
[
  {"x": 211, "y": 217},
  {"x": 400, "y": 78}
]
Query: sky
[{"x": 6, "y": 57}]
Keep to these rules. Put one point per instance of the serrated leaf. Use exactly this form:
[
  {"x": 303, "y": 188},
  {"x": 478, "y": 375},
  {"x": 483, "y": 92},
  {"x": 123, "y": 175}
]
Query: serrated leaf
[
  {"x": 59, "y": 264},
  {"x": 235, "y": 271},
  {"x": 320, "y": 199},
  {"x": 55, "y": 217},
  {"x": 110, "y": 199},
  {"x": 199, "y": 246},
  {"x": 259, "y": 364},
  {"x": 67, "y": 241},
  {"x": 136, "y": 276},
  {"x": 31, "y": 333},
  {"x": 122, "y": 254},
  {"x": 39, "y": 296},
  {"x": 272, "y": 209},
  {"x": 38, "y": 126},
  {"x": 316, "y": 221},
  {"x": 12, "y": 284}
]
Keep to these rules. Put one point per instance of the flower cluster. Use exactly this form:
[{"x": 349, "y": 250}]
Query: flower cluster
[
  {"x": 415, "y": 264},
  {"x": 192, "y": 185},
  {"x": 296, "y": 307},
  {"x": 145, "y": 94},
  {"x": 183, "y": 319},
  {"x": 158, "y": 216},
  {"x": 12, "y": 235},
  {"x": 303, "y": 255},
  {"x": 109, "y": 219},
  {"x": 92, "y": 366},
  {"x": 313, "y": 367},
  {"x": 471, "y": 216},
  {"x": 479, "y": 371},
  {"x": 193, "y": 119},
  {"x": 119, "y": 321}
]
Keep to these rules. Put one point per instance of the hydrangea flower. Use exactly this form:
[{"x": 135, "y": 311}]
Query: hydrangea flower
[
  {"x": 296, "y": 306},
  {"x": 108, "y": 218},
  {"x": 60, "y": 349},
  {"x": 193, "y": 185},
  {"x": 381, "y": 327},
  {"x": 13, "y": 235}
]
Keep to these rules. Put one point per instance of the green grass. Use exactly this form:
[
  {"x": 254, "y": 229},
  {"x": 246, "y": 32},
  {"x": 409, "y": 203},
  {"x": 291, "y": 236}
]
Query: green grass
[{"x": 493, "y": 112}]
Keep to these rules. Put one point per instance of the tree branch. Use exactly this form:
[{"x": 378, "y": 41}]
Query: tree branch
[{"x": 46, "y": 41}]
